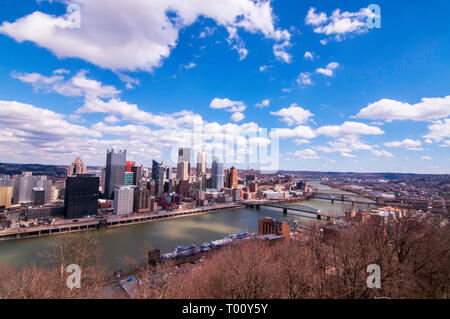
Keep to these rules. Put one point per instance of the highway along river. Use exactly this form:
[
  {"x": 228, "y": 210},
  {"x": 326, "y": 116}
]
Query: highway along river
[{"x": 131, "y": 240}]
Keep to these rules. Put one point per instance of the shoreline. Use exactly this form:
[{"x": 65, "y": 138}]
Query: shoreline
[{"x": 112, "y": 222}]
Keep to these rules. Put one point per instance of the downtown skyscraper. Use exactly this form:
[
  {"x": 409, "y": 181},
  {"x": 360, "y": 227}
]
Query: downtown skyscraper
[
  {"x": 217, "y": 179},
  {"x": 201, "y": 163},
  {"x": 115, "y": 171}
]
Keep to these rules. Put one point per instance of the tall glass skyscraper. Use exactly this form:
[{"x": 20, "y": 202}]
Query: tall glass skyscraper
[
  {"x": 158, "y": 171},
  {"x": 217, "y": 178},
  {"x": 115, "y": 171}
]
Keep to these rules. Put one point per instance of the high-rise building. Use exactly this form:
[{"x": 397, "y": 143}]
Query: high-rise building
[
  {"x": 81, "y": 196},
  {"x": 38, "y": 196},
  {"x": 128, "y": 179},
  {"x": 115, "y": 171},
  {"x": 217, "y": 179},
  {"x": 158, "y": 175},
  {"x": 77, "y": 167},
  {"x": 23, "y": 188},
  {"x": 102, "y": 179},
  {"x": 183, "y": 171},
  {"x": 201, "y": 163},
  {"x": 142, "y": 199},
  {"x": 129, "y": 166},
  {"x": 168, "y": 173},
  {"x": 6, "y": 196},
  {"x": 137, "y": 174},
  {"x": 123, "y": 200},
  {"x": 232, "y": 178},
  {"x": 46, "y": 185},
  {"x": 184, "y": 155}
]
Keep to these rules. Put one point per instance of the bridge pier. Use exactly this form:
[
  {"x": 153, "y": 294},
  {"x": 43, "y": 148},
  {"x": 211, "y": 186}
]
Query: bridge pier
[
  {"x": 257, "y": 206},
  {"x": 285, "y": 211},
  {"x": 332, "y": 201}
]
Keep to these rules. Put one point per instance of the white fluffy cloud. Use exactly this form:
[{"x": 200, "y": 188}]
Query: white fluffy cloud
[
  {"x": 329, "y": 70},
  {"x": 427, "y": 109},
  {"x": 438, "y": 131},
  {"x": 349, "y": 144},
  {"x": 304, "y": 78},
  {"x": 78, "y": 85},
  {"x": 308, "y": 56},
  {"x": 38, "y": 125},
  {"x": 235, "y": 107},
  {"x": 349, "y": 128},
  {"x": 139, "y": 34},
  {"x": 237, "y": 117},
  {"x": 412, "y": 145},
  {"x": 264, "y": 103},
  {"x": 293, "y": 115},
  {"x": 299, "y": 132},
  {"x": 304, "y": 154},
  {"x": 339, "y": 24}
]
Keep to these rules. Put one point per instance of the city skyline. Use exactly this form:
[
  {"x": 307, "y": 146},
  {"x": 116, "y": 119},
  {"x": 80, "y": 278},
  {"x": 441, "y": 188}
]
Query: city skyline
[{"x": 343, "y": 97}]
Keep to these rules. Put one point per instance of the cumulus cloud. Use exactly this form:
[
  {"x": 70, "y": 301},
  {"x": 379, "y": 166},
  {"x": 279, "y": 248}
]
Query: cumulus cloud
[
  {"x": 308, "y": 56},
  {"x": 305, "y": 154},
  {"x": 304, "y": 78},
  {"x": 140, "y": 34},
  {"x": 427, "y": 109},
  {"x": 412, "y": 145},
  {"x": 38, "y": 125},
  {"x": 349, "y": 128},
  {"x": 237, "y": 117},
  {"x": 438, "y": 131},
  {"x": 299, "y": 132},
  {"x": 329, "y": 70},
  {"x": 78, "y": 85},
  {"x": 348, "y": 144},
  {"x": 340, "y": 24},
  {"x": 264, "y": 103},
  {"x": 293, "y": 115}
]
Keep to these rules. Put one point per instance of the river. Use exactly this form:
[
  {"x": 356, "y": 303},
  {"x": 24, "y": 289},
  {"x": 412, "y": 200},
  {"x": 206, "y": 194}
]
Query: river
[{"x": 131, "y": 240}]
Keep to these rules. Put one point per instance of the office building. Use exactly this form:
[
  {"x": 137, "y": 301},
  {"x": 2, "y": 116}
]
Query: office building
[
  {"x": 102, "y": 180},
  {"x": 217, "y": 179},
  {"x": 123, "y": 200},
  {"x": 143, "y": 200},
  {"x": 137, "y": 174},
  {"x": 183, "y": 171},
  {"x": 77, "y": 167},
  {"x": 232, "y": 178},
  {"x": 81, "y": 196},
  {"x": 38, "y": 196},
  {"x": 201, "y": 163},
  {"x": 129, "y": 166},
  {"x": 184, "y": 155},
  {"x": 6, "y": 196},
  {"x": 23, "y": 188},
  {"x": 158, "y": 175},
  {"x": 115, "y": 171},
  {"x": 168, "y": 174},
  {"x": 128, "y": 179},
  {"x": 46, "y": 185}
]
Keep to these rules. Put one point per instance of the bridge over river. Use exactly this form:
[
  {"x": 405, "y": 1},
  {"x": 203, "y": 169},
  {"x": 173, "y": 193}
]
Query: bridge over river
[{"x": 295, "y": 208}]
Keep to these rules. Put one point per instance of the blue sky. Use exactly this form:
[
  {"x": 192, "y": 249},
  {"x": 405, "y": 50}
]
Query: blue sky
[{"x": 141, "y": 74}]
